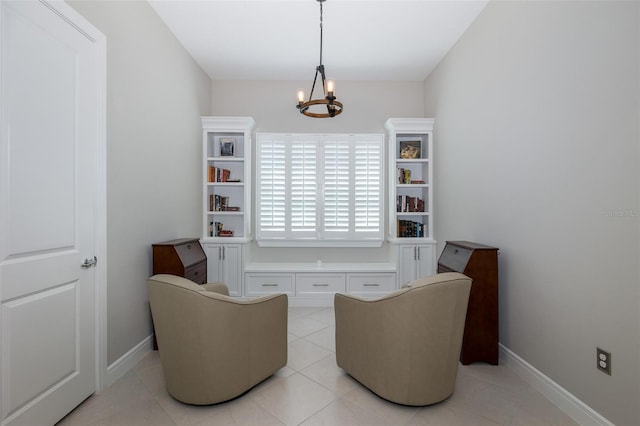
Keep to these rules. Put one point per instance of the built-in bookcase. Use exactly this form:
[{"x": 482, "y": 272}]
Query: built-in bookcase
[
  {"x": 410, "y": 206},
  {"x": 410, "y": 178},
  {"x": 227, "y": 178}
]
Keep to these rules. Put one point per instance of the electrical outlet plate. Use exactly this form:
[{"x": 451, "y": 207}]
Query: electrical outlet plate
[{"x": 603, "y": 361}]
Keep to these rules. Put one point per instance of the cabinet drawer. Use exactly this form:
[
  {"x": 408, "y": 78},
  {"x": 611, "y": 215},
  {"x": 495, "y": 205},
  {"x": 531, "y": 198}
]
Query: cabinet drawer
[
  {"x": 371, "y": 283},
  {"x": 313, "y": 283},
  {"x": 259, "y": 284},
  {"x": 197, "y": 273}
]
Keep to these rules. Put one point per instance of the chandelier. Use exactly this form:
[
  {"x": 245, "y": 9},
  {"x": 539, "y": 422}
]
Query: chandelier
[{"x": 332, "y": 106}]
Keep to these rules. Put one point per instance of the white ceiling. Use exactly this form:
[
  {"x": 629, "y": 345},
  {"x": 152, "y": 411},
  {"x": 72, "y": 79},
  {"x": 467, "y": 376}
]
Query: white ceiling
[{"x": 280, "y": 39}]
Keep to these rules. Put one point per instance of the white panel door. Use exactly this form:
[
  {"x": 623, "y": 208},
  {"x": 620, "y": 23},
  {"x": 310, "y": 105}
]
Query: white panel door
[{"x": 48, "y": 161}]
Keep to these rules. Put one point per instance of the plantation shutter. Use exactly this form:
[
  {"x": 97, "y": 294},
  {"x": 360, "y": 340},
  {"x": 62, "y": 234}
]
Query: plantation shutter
[
  {"x": 337, "y": 195},
  {"x": 368, "y": 188},
  {"x": 304, "y": 190},
  {"x": 322, "y": 188},
  {"x": 272, "y": 192}
]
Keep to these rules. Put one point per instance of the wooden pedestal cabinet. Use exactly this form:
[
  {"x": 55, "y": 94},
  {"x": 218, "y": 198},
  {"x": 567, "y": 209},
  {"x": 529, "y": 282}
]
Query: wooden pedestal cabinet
[
  {"x": 183, "y": 257},
  {"x": 479, "y": 262}
]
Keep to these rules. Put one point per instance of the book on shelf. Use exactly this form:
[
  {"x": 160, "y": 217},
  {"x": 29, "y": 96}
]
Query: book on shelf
[
  {"x": 217, "y": 174},
  {"x": 403, "y": 175},
  {"x": 410, "y": 229},
  {"x": 220, "y": 203},
  {"x": 406, "y": 203},
  {"x": 220, "y": 231}
]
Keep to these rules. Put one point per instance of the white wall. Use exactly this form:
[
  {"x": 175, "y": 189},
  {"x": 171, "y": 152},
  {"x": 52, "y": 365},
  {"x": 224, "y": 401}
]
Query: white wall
[
  {"x": 367, "y": 105},
  {"x": 156, "y": 95},
  {"x": 537, "y": 153}
]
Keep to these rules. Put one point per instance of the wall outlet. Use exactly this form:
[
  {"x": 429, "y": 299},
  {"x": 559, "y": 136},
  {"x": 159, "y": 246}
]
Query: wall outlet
[{"x": 603, "y": 360}]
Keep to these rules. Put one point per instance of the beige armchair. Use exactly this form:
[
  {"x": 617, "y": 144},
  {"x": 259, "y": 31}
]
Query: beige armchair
[
  {"x": 214, "y": 347},
  {"x": 405, "y": 346}
]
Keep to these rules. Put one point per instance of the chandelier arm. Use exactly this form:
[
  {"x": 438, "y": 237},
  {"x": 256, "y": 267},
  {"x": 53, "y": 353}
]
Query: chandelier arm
[
  {"x": 320, "y": 69},
  {"x": 313, "y": 86}
]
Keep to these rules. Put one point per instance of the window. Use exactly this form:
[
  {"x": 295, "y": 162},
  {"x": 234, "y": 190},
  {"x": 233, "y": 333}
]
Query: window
[{"x": 319, "y": 190}]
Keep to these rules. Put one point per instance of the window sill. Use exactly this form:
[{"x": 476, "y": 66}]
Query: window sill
[{"x": 318, "y": 243}]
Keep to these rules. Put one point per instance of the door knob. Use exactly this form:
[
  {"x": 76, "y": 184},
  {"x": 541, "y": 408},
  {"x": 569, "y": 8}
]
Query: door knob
[{"x": 89, "y": 262}]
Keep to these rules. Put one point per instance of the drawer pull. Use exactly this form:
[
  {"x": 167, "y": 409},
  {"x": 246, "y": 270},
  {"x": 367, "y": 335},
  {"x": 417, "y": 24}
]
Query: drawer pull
[
  {"x": 371, "y": 285},
  {"x": 269, "y": 285},
  {"x": 320, "y": 285}
]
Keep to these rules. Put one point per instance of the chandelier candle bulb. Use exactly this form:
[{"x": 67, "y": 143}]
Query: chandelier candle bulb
[
  {"x": 331, "y": 87},
  {"x": 300, "y": 94}
]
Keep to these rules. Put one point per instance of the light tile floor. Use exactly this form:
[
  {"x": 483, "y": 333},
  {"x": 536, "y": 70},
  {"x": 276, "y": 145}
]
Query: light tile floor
[{"x": 312, "y": 390}]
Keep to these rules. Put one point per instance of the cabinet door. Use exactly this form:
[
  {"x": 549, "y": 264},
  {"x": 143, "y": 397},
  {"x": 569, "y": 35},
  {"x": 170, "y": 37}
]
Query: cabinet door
[
  {"x": 214, "y": 262},
  {"x": 406, "y": 264},
  {"x": 425, "y": 260},
  {"x": 232, "y": 268}
]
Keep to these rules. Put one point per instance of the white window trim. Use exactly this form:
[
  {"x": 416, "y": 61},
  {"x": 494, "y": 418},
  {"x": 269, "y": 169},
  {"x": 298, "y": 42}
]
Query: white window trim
[{"x": 321, "y": 238}]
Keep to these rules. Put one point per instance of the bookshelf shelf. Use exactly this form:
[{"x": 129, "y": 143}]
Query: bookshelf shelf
[
  {"x": 225, "y": 183},
  {"x": 226, "y": 159}
]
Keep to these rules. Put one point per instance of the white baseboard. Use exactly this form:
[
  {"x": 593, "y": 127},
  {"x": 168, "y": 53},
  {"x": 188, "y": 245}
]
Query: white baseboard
[
  {"x": 127, "y": 361},
  {"x": 567, "y": 402}
]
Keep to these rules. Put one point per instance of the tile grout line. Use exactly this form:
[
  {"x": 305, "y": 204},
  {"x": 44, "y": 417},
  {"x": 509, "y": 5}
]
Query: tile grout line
[{"x": 155, "y": 398}]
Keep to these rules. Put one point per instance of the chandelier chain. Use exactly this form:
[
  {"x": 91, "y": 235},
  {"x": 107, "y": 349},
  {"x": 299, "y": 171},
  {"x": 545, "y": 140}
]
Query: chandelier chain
[{"x": 320, "y": 33}]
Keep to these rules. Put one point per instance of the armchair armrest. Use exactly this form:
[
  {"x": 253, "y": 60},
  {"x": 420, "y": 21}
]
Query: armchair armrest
[{"x": 219, "y": 288}]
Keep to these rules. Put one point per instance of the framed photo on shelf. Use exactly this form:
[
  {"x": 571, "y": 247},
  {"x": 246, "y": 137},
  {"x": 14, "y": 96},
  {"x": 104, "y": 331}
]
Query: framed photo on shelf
[
  {"x": 409, "y": 149},
  {"x": 227, "y": 147}
]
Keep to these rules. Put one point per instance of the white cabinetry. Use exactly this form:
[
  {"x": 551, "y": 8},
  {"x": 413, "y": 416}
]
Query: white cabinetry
[
  {"x": 226, "y": 197},
  {"x": 411, "y": 196},
  {"x": 224, "y": 264},
  {"x": 320, "y": 284},
  {"x": 371, "y": 284},
  {"x": 415, "y": 261},
  {"x": 260, "y": 284},
  {"x": 313, "y": 285}
]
